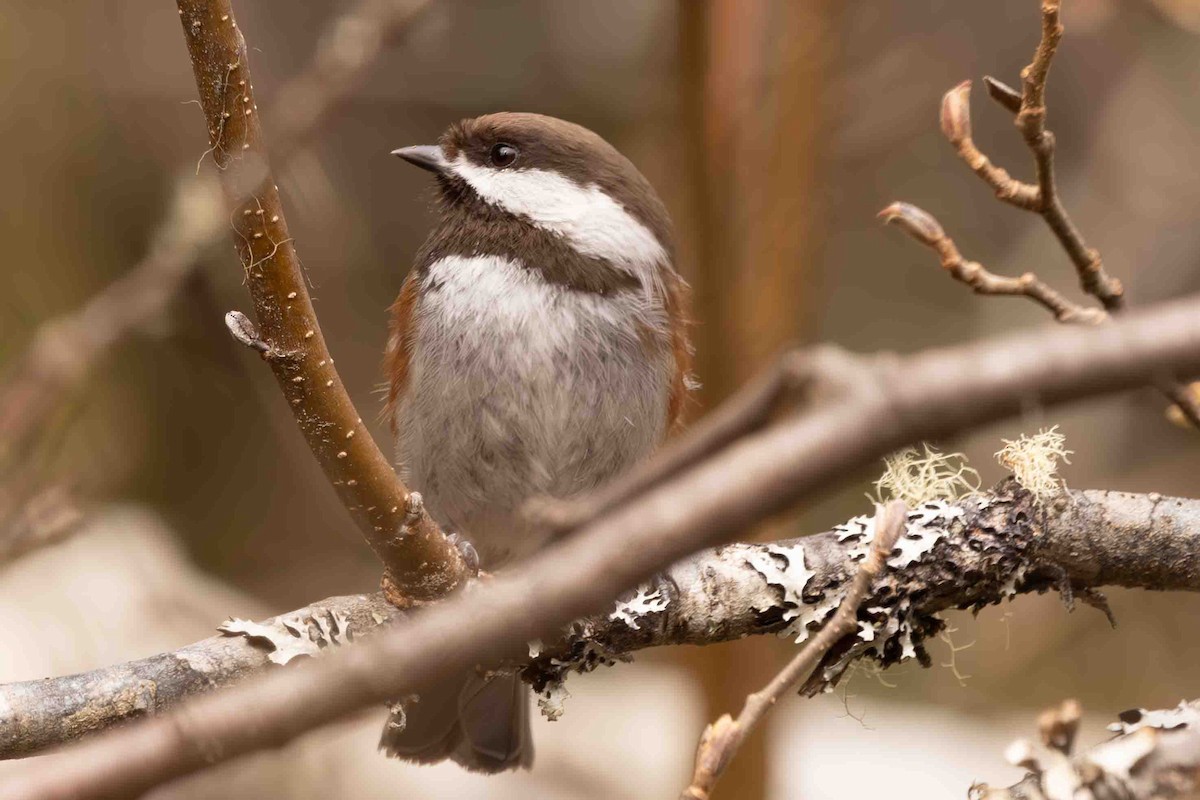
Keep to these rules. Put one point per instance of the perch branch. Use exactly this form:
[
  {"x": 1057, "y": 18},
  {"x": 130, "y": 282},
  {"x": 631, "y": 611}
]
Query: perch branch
[
  {"x": 1154, "y": 756},
  {"x": 1001, "y": 539},
  {"x": 902, "y": 400},
  {"x": 721, "y": 740},
  {"x": 420, "y": 564}
]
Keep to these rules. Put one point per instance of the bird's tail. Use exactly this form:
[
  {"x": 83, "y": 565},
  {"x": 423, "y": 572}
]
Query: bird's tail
[{"x": 481, "y": 723}]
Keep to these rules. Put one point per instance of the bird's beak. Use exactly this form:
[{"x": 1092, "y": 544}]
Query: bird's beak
[{"x": 425, "y": 156}]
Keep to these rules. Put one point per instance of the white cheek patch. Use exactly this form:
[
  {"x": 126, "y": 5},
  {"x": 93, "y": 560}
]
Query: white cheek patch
[{"x": 591, "y": 221}]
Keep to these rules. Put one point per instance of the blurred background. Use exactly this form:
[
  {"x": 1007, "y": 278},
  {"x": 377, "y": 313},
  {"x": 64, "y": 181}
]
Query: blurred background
[{"x": 774, "y": 130}]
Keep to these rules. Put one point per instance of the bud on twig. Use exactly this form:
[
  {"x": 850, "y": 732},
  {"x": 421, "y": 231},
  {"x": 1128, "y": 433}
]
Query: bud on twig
[
  {"x": 956, "y": 113},
  {"x": 916, "y": 223},
  {"x": 1003, "y": 94}
]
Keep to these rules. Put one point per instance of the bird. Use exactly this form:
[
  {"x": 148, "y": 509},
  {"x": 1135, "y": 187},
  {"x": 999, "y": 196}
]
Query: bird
[{"x": 538, "y": 348}]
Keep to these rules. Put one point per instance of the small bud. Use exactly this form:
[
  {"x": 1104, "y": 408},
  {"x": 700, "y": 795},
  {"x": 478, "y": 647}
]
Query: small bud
[
  {"x": 242, "y": 329},
  {"x": 1003, "y": 94},
  {"x": 956, "y": 113},
  {"x": 917, "y": 223}
]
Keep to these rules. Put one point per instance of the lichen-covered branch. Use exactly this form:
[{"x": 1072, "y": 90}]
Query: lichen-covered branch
[
  {"x": 721, "y": 740},
  {"x": 36, "y": 715},
  {"x": 893, "y": 402},
  {"x": 964, "y": 554},
  {"x": 420, "y": 564},
  {"x": 1155, "y": 755}
]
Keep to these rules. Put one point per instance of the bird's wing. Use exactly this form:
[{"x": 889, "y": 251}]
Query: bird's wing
[{"x": 400, "y": 342}]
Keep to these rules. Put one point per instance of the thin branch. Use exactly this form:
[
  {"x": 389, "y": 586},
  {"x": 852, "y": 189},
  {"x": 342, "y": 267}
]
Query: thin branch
[
  {"x": 1043, "y": 198},
  {"x": 1155, "y": 756},
  {"x": 922, "y": 226},
  {"x": 420, "y": 564},
  {"x": 1029, "y": 108},
  {"x": 66, "y": 350},
  {"x": 721, "y": 740},
  {"x": 929, "y": 395}
]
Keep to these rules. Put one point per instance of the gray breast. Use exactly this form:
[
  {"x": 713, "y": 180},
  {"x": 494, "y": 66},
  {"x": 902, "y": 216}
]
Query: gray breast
[{"x": 521, "y": 388}]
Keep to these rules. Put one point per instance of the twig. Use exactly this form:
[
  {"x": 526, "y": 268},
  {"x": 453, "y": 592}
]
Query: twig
[
  {"x": 1029, "y": 108},
  {"x": 721, "y": 740},
  {"x": 920, "y": 397},
  {"x": 1156, "y": 756},
  {"x": 922, "y": 226},
  {"x": 1097, "y": 539},
  {"x": 420, "y": 564},
  {"x": 1043, "y": 198}
]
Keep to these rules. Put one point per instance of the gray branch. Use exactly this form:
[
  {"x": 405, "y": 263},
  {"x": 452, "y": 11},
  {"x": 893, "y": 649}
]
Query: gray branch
[{"x": 963, "y": 554}]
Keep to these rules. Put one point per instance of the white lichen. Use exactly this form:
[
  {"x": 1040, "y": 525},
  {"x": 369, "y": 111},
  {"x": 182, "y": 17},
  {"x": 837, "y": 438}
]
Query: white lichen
[
  {"x": 551, "y": 699},
  {"x": 919, "y": 477},
  {"x": 293, "y": 635},
  {"x": 1033, "y": 461},
  {"x": 1136, "y": 719},
  {"x": 646, "y": 600}
]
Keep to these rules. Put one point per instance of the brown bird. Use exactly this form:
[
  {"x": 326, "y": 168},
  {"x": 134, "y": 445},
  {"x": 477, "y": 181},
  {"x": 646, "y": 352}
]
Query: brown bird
[{"x": 538, "y": 348}]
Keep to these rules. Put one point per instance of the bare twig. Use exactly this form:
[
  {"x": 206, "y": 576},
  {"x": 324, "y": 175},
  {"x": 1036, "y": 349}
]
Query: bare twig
[
  {"x": 420, "y": 564},
  {"x": 922, "y": 226},
  {"x": 1029, "y": 108},
  {"x": 1043, "y": 198},
  {"x": 1095, "y": 539},
  {"x": 924, "y": 396},
  {"x": 1155, "y": 756},
  {"x": 721, "y": 740}
]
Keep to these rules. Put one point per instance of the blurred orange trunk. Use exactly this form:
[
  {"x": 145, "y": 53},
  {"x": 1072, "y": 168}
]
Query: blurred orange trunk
[{"x": 752, "y": 75}]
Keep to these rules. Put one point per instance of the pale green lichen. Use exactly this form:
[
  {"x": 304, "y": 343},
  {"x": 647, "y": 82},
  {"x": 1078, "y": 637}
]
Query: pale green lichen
[
  {"x": 921, "y": 477},
  {"x": 1033, "y": 461}
]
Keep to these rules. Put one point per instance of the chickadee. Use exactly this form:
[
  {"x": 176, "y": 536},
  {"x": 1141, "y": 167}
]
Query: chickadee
[{"x": 538, "y": 348}]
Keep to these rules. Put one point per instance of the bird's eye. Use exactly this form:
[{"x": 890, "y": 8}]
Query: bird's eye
[{"x": 503, "y": 155}]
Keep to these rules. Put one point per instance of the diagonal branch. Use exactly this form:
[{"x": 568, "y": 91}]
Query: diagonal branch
[
  {"x": 66, "y": 350},
  {"x": 929, "y": 395},
  {"x": 721, "y": 740},
  {"x": 420, "y": 563}
]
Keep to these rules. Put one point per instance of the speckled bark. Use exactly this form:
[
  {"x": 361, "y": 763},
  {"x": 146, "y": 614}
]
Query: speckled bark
[
  {"x": 975, "y": 552},
  {"x": 37, "y": 714}
]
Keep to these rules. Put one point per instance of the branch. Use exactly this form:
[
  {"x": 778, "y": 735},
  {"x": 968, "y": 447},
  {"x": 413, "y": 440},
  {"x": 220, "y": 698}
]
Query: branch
[
  {"x": 420, "y": 563},
  {"x": 1029, "y": 108},
  {"x": 721, "y": 740},
  {"x": 66, "y": 350},
  {"x": 902, "y": 400},
  {"x": 922, "y": 226},
  {"x": 1002, "y": 539},
  {"x": 1155, "y": 756}
]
